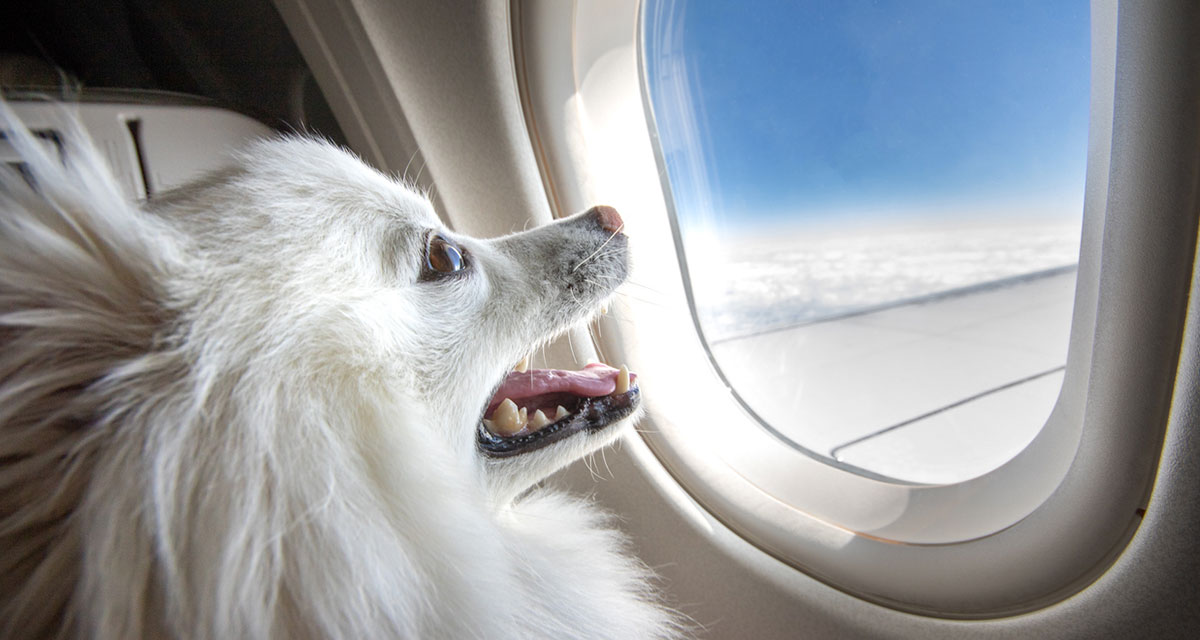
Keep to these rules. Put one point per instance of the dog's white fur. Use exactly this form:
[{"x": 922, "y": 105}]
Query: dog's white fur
[{"x": 238, "y": 412}]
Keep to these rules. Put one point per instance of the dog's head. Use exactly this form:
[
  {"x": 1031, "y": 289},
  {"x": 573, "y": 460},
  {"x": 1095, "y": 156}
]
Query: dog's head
[
  {"x": 346, "y": 276},
  {"x": 280, "y": 401}
]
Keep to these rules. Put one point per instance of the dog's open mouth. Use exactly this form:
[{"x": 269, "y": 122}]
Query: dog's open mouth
[{"x": 534, "y": 408}]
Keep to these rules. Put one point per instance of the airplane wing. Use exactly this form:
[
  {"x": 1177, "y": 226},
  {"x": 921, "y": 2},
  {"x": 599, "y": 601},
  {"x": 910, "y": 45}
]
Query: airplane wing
[{"x": 933, "y": 391}]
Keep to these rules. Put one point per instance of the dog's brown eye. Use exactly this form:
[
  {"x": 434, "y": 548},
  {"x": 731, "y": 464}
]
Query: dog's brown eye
[{"x": 443, "y": 256}]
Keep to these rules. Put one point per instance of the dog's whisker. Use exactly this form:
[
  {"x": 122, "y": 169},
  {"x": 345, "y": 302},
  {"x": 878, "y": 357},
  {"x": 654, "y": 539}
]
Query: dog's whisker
[
  {"x": 588, "y": 463},
  {"x": 571, "y": 346},
  {"x": 597, "y": 345},
  {"x": 653, "y": 303},
  {"x": 598, "y": 249},
  {"x": 604, "y": 459},
  {"x": 420, "y": 170},
  {"x": 635, "y": 283},
  {"x": 622, "y": 321},
  {"x": 404, "y": 174}
]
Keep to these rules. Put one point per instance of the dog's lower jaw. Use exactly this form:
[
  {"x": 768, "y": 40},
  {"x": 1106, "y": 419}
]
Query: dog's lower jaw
[{"x": 510, "y": 478}]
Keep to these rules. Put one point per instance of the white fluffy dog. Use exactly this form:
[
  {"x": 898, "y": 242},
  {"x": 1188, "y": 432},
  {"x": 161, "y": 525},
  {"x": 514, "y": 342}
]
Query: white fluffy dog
[{"x": 254, "y": 408}]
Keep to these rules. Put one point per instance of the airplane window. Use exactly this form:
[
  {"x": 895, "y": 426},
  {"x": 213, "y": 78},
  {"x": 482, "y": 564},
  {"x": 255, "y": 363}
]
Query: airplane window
[{"x": 879, "y": 204}]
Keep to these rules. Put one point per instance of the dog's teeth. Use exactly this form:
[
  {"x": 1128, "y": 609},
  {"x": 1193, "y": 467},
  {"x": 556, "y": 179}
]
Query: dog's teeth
[
  {"x": 538, "y": 420},
  {"x": 522, "y": 366},
  {"x": 506, "y": 419},
  {"x": 623, "y": 379},
  {"x": 561, "y": 413}
]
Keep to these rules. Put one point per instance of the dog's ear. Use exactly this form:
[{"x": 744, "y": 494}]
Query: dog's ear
[
  {"x": 76, "y": 250},
  {"x": 69, "y": 224},
  {"x": 82, "y": 311}
]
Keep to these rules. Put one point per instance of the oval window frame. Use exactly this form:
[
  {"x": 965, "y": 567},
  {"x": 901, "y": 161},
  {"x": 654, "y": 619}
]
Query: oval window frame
[{"x": 916, "y": 548}]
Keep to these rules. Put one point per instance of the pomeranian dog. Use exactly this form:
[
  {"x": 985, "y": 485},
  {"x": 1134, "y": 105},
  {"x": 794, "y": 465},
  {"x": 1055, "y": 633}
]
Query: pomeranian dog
[{"x": 281, "y": 403}]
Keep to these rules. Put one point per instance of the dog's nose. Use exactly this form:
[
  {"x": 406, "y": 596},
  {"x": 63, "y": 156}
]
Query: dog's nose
[{"x": 608, "y": 218}]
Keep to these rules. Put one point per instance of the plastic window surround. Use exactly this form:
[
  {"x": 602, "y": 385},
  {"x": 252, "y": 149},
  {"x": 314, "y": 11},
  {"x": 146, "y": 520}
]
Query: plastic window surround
[{"x": 1041, "y": 526}]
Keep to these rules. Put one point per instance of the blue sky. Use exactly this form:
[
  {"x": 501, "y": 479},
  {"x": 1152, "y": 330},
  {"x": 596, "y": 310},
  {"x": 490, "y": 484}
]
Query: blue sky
[{"x": 810, "y": 109}]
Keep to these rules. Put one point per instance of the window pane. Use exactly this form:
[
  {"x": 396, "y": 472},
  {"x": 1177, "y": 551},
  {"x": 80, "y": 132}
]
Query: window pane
[{"x": 880, "y": 205}]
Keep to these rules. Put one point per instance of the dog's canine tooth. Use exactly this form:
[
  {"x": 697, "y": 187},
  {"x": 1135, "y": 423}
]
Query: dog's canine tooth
[
  {"x": 506, "y": 419},
  {"x": 561, "y": 413},
  {"x": 623, "y": 379},
  {"x": 522, "y": 366},
  {"x": 538, "y": 420}
]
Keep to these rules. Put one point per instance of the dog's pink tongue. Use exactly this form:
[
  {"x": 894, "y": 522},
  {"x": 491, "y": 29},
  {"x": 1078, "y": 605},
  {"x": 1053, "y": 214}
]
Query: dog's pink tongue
[{"x": 592, "y": 381}]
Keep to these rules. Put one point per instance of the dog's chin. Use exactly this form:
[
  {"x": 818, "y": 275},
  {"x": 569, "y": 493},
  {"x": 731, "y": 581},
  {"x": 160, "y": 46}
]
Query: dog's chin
[
  {"x": 510, "y": 477},
  {"x": 541, "y": 420}
]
